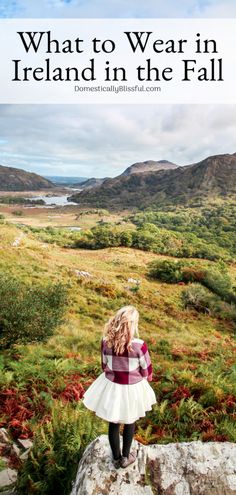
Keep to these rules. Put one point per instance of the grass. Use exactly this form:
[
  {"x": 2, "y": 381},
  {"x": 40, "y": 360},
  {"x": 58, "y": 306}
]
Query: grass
[
  {"x": 193, "y": 354},
  {"x": 59, "y": 216}
]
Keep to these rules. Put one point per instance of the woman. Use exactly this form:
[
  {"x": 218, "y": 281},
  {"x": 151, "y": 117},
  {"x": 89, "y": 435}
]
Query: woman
[{"x": 122, "y": 394}]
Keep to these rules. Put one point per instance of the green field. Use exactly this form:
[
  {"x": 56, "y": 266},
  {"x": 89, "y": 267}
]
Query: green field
[{"x": 192, "y": 346}]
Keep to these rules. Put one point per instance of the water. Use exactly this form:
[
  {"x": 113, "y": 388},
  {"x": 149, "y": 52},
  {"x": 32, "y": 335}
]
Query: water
[
  {"x": 73, "y": 229},
  {"x": 55, "y": 200}
]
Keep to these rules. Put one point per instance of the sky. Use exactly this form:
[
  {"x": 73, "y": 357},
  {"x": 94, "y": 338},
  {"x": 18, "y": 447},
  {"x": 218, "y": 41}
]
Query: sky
[
  {"x": 102, "y": 140},
  {"x": 117, "y": 8}
]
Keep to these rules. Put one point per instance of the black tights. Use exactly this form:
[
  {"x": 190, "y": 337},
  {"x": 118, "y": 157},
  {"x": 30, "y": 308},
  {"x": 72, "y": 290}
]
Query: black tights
[{"x": 114, "y": 439}]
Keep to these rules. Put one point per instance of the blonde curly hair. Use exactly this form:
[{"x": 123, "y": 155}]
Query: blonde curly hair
[{"x": 121, "y": 328}]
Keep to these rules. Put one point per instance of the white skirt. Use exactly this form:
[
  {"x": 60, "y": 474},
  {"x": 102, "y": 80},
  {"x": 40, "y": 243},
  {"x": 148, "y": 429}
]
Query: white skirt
[{"x": 118, "y": 403}]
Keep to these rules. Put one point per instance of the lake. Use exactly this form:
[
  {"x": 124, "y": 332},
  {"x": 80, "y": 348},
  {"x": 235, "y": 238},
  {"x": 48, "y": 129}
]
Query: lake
[{"x": 56, "y": 200}]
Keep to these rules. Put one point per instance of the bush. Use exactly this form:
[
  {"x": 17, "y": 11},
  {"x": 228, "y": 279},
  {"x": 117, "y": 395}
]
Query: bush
[
  {"x": 197, "y": 297},
  {"x": 57, "y": 449},
  {"x": 29, "y": 313},
  {"x": 219, "y": 283},
  {"x": 169, "y": 271},
  {"x": 103, "y": 288},
  {"x": 17, "y": 213},
  {"x": 203, "y": 300},
  {"x": 212, "y": 292},
  {"x": 214, "y": 278}
]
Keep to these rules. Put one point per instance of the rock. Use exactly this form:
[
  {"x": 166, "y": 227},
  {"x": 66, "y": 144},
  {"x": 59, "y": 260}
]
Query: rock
[
  {"x": 16, "y": 450},
  {"x": 194, "y": 468},
  {"x": 7, "y": 478},
  {"x": 25, "y": 443},
  {"x": 82, "y": 274},
  {"x": 134, "y": 281},
  {"x": 4, "y": 437},
  {"x": 18, "y": 240},
  {"x": 25, "y": 455}
]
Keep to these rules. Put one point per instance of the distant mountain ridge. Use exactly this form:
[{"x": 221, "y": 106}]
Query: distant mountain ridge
[
  {"x": 90, "y": 183},
  {"x": 60, "y": 180},
  {"x": 15, "y": 179},
  {"x": 212, "y": 177},
  {"x": 136, "y": 168},
  {"x": 149, "y": 165}
]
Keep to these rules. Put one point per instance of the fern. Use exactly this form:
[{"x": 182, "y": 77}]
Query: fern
[
  {"x": 58, "y": 447},
  {"x": 189, "y": 410},
  {"x": 226, "y": 427}
]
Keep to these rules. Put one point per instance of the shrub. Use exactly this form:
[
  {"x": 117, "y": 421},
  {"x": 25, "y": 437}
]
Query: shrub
[
  {"x": 126, "y": 238},
  {"x": 219, "y": 283},
  {"x": 103, "y": 288},
  {"x": 29, "y": 313},
  {"x": 203, "y": 300},
  {"x": 197, "y": 297},
  {"x": 193, "y": 274},
  {"x": 170, "y": 271},
  {"x": 214, "y": 278},
  {"x": 17, "y": 213},
  {"x": 212, "y": 292},
  {"x": 57, "y": 449}
]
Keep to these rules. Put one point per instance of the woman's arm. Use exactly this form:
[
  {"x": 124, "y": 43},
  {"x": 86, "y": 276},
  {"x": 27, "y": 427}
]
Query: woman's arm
[
  {"x": 145, "y": 362},
  {"x": 103, "y": 356}
]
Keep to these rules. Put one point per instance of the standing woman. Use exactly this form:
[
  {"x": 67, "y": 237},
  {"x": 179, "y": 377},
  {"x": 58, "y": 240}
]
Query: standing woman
[{"x": 122, "y": 394}]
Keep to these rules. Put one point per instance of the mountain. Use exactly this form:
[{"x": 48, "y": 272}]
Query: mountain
[
  {"x": 148, "y": 166},
  {"x": 59, "y": 180},
  {"x": 90, "y": 183},
  {"x": 15, "y": 179},
  {"x": 136, "y": 168},
  {"x": 213, "y": 177}
]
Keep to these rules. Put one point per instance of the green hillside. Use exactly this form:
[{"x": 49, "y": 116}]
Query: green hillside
[{"x": 187, "y": 316}]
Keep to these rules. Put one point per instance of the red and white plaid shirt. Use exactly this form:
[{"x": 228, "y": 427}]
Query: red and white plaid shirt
[{"x": 127, "y": 368}]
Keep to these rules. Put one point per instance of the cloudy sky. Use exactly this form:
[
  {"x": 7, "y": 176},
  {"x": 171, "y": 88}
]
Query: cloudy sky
[
  {"x": 117, "y": 8},
  {"x": 102, "y": 140}
]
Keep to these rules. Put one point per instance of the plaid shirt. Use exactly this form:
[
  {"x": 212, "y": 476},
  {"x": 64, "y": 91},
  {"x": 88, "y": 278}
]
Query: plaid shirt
[{"x": 127, "y": 368}]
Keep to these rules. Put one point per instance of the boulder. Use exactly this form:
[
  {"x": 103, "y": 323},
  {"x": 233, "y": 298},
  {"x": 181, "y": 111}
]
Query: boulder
[
  {"x": 7, "y": 478},
  {"x": 134, "y": 281},
  {"x": 193, "y": 468},
  {"x": 81, "y": 273}
]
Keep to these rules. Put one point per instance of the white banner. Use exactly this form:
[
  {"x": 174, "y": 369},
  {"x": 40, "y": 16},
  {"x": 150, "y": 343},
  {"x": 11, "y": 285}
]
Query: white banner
[{"x": 118, "y": 61}]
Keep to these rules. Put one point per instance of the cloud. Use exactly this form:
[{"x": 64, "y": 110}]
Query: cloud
[
  {"x": 103, "y": 140},
  {"x": 117, "y": 8},
  {"x": 215, "y": 8}
]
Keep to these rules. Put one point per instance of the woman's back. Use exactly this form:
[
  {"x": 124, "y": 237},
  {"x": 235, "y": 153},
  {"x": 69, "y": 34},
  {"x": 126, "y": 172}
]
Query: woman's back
[{"x": 129, "y": 367}]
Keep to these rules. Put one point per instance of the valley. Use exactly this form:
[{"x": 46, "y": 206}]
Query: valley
[{"x": 67, "y": 269}]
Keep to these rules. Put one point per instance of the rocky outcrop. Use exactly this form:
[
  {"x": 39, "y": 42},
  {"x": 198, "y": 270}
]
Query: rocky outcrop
[
  {"x": 193, "y": 468},
  {"x": 149, "y": 165}
]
